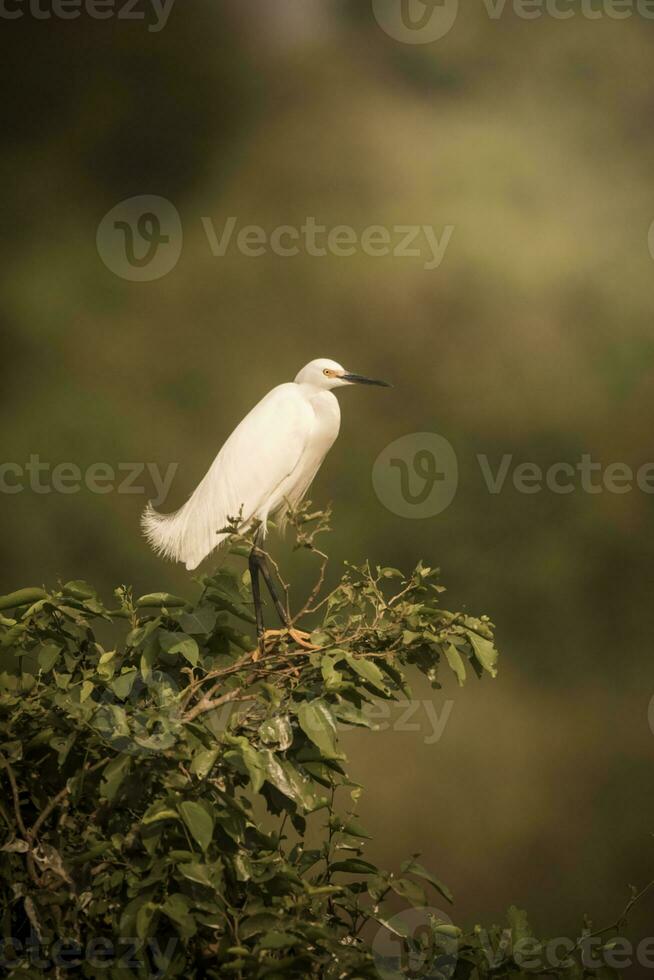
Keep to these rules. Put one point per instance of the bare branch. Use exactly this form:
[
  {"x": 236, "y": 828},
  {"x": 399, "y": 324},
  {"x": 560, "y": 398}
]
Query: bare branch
[{"x": 14, "y": 792}]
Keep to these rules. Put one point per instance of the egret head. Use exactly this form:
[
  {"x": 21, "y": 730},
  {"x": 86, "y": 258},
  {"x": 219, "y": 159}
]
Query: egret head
[{"x": 326, "y": 374}]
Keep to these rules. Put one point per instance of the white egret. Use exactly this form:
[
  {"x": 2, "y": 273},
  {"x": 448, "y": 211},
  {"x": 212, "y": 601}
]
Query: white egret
[{"x": 266, "y": 467}]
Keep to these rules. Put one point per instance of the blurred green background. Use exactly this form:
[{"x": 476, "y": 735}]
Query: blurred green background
[{"x": 533, "y": 138}]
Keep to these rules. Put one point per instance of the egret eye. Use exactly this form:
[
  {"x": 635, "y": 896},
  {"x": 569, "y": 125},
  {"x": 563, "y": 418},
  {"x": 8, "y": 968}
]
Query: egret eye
[{"x": 327, "y": 372}]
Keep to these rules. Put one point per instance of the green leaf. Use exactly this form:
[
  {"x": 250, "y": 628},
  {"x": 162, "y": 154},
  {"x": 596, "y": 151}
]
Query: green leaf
[
  {"x": 122, "y": 685},
  {"x": 158, "y": 599},
  {"x": 198, "y": 821},
  {"x": 85, "y": 690},
  {"x": 333, "y": 678},
  {"x": 63, "y": 746},
  {"x": 149, "y": 658},
  {"x": 412, "y": 867},
  {"x": 204, "y": 761},
  {"x": 79, "y": 590},
  {"x": 408, "y": 889},
  {"x": 177, "y": 908},
  {"x": 252, "y": 762},
  {"x": 144, "y": 920},
  {"x": 485, "y": 652},
  {"x": 277, "y": 731},
  {"x": 355, "y": 866},
  {"x": 353, "y": 716},
  {"x": 223, "y": 592},
  {"x": 317, "y": 723},
  {"x": 158, "y": 811},
  {"x": 48, "y": 656},
  {"x": 23, "y": 597},
  {"x": 242, "y": 867},
  {"x": 286, "y": 778},
  {"x": 354, "y": 829},
  {"x": 447, "y": 930},
  {"x": 138, "y": 636},
  {"x": 175, "y": 643},
  {"x": 455, "y": 660},
  {"x": 113, "y": 776},
  {"x": 195, "y": 871},
  {"x": 200, "y": 621},
  {"x": 369, "y": 671}
]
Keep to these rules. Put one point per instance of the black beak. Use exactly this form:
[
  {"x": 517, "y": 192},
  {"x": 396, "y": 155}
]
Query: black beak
[{"x": 358, "y": 379}]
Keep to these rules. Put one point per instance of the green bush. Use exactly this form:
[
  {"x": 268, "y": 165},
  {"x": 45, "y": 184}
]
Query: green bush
[{"x": 175, "y": 802}]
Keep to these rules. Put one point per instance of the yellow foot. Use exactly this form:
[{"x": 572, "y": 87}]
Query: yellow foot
[
  {"x": 302, "y": 639},
  {"x": 272, "y": 634},
  {"x": 298, "y": 636}
]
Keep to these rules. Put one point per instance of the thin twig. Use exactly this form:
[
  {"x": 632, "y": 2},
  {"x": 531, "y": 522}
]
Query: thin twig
[
  {"x": 31, "y": 834},
  {"x": 620, "y": 921},
  {"x": 315, "y": 592},
  {"x": 15, "y": 794},
  {"x": 207, "y": 704},
  {"x": 5, "y": 815},
  {"x": 220, "y": 672},
  {"x": 282, "y": 581},
  {"x": 56, "y": 800}
]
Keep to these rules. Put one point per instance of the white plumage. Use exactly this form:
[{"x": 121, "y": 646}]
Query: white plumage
[{"x": 267, "y": 464}]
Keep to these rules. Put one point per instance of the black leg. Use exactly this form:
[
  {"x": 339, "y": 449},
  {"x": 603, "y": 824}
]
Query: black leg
[
  {"x": 253, "y": 565},
  {"x": 259, "y": 558},
  {"x": 258, "y": 564}
]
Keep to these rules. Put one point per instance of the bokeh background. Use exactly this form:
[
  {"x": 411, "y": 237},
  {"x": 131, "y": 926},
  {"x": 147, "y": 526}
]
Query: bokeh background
[{"x": 534, "y": 338}]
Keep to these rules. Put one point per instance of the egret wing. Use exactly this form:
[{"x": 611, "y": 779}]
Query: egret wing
[{"x": 258, "y": 456}]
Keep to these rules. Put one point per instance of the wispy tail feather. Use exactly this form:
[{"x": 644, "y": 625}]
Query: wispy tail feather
[
  {"x": 177, "y": 537},
  {"x": 163, "y": 532}
]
